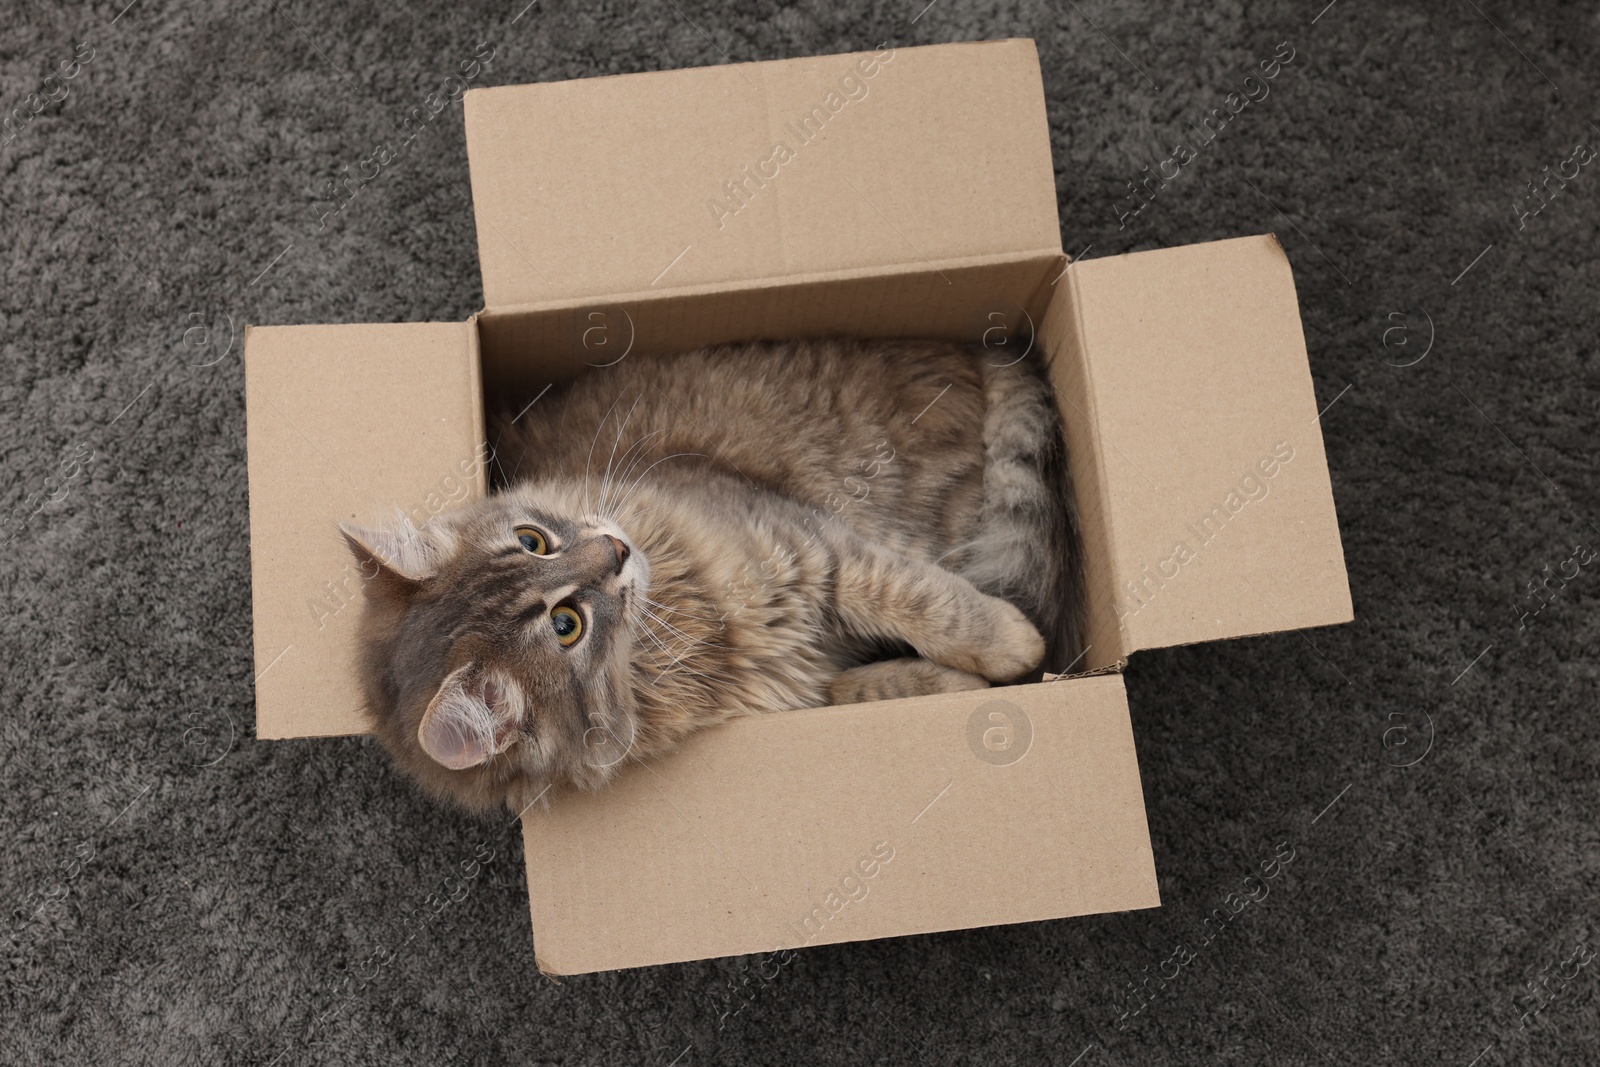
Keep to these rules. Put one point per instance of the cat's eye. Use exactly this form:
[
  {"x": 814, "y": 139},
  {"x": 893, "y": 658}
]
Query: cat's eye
[
  {"x": 532, "y": 539},
  {"x": 568, "y": 625}
]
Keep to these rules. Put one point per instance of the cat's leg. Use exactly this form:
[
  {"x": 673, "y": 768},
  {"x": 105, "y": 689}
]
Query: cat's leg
[
  {"x": 879, "y": 593},
  {"x": 910, "y": 676}
]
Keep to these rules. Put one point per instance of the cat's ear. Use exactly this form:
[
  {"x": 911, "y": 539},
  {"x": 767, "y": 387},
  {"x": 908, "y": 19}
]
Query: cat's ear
[
  {"x": 460, "y": 728},
  {"x": 394, "y": 557}
]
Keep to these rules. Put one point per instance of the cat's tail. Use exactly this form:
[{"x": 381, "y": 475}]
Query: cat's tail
[{"x": 1029, "y": 549}]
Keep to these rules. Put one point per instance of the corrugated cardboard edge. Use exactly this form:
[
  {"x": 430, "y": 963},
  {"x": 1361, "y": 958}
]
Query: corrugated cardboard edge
[
  {"x": 745, "y": 64},
  {"x": 256, "y": 654},
  {"x": 1085, "y": 453},
  {"x": 480, "y": 419},
  {"x": 788, "y": 281},
  {"x": 1118, "y": 667}
]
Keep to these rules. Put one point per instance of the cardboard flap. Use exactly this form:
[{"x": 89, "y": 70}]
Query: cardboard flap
[
  {"x": 821, "y": 166},
  {"x": 345, "y": 423},
  {"x": 841, "y": 824},
  {"x": 1204, "y": 491}
]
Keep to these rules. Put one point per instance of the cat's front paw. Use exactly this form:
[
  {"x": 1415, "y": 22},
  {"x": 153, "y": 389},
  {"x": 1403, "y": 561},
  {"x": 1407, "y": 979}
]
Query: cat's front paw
[
  {"x": 1015, "y": 646},
  {"x": 1000, "y": 644}
]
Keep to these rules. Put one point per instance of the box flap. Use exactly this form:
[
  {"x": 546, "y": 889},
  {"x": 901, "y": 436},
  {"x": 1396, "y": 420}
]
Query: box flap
[
  {"x": 1197, "y": 447},
  {"x": 640, "y": 183},
  {"x": 344, "y": 423},
  {"x": 842, "y": 824}
]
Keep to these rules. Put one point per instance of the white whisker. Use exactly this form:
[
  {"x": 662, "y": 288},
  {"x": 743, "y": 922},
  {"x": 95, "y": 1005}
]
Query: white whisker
[
  {"x": 667, "y": 626},
  {"x": 629, "y": 511},
  {"x": 494, "y": 457},
  {"x": 628, "y": 495},
  {"x": 588, "y": 464},
  {"x": 662, "y": 672},
  {"x": 658, "y": 605},
  {"x": 625, "y": 470},
  {"x": 605, "y": 479}
]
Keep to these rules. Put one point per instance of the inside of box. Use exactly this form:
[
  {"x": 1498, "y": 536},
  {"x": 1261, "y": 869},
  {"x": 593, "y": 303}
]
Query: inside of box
[
  {"x": 523, "y": 350},
  {"x": 999, "y": 307}
]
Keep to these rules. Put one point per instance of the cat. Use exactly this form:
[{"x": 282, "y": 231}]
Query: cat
[{"x": 743, "y": 529}]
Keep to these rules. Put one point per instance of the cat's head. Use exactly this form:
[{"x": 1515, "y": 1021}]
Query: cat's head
[{"x": 496, "y": 643}]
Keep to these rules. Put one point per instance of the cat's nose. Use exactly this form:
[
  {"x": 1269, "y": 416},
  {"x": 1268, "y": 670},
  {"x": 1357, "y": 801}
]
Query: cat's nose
[{"x": 620, "y": 547}]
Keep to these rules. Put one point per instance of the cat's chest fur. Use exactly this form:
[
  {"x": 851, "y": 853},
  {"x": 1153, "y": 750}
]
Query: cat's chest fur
[{"x": 742, "y": 599}]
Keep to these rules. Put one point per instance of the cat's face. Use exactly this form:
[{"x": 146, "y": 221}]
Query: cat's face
[{"x": 496, "y": 643}]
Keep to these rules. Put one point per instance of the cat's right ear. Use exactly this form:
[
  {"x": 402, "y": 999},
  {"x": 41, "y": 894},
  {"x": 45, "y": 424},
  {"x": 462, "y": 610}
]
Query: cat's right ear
[{"x": 392, "y": 561}]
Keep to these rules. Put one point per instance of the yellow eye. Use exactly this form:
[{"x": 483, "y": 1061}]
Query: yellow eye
[
  {"x": 532, "y": 540},
  {"x": 568, "y": 625}
]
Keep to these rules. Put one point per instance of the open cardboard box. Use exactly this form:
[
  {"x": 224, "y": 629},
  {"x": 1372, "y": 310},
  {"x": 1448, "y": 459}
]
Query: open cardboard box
[{"x": 625, "y": 217}]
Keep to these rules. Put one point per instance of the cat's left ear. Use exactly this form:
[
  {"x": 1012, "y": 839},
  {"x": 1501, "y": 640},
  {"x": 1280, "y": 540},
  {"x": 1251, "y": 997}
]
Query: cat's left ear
[
  {"x": 465, "y": 724},
  {"x": 397, "y": 557}
]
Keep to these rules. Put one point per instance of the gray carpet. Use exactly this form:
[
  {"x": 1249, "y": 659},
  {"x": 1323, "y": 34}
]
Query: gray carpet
[{"x": 179, "y": 893}]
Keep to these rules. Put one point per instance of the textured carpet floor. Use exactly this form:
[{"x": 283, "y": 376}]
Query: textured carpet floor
[{"x": 178, "y": 893}]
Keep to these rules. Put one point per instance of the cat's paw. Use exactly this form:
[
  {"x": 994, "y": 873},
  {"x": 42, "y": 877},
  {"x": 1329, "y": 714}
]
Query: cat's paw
[
  {"x": 1011, "y": 648},
  {"x": 895, "y": 678}
]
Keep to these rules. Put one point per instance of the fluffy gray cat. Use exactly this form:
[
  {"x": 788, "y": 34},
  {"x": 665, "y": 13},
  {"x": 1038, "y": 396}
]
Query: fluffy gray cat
[{"x": 736, "y": 530}]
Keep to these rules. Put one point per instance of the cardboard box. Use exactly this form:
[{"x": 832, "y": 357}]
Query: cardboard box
[{"x": 625, "y": 217}]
